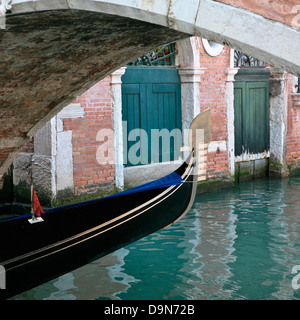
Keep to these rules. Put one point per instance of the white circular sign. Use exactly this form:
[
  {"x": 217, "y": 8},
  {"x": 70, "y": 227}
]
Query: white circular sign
[{"x": 212, "y": 48}]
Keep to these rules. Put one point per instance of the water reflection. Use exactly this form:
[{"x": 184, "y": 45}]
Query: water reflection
[{"x": 236, "y": 244}]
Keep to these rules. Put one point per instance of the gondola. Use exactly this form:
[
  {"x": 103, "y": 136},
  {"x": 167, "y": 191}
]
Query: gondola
[{"x": 71, "y": 236}]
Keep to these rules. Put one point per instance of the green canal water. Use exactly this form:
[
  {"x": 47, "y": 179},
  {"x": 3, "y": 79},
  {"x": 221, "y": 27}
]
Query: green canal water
[{"x": 242, "y": 243}]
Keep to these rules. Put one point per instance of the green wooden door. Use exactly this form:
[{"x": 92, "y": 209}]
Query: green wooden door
[
  {"x": 251, "y": 112},
  {"x": 151, "y": 112}
]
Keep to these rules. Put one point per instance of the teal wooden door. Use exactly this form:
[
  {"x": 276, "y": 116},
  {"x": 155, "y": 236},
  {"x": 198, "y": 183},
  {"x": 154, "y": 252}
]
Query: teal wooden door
[
  {"x": 151, "y": 112},
  {"x": 251, "y": 112}
]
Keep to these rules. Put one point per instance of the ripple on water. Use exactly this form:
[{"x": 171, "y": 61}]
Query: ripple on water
[{"x": 234, "y": 244}]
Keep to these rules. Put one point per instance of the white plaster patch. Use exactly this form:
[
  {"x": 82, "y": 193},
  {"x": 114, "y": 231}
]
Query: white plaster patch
[
  {"x": 251, "y": 156},
  {"x": 64, "y": 161},
  {"x": 64, "y": 148},
  {"x": 215, "y": 146}
]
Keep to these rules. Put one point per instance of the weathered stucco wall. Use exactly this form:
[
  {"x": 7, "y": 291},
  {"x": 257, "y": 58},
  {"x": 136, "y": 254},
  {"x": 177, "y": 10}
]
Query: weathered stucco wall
[{"x": 278, "y": 10}]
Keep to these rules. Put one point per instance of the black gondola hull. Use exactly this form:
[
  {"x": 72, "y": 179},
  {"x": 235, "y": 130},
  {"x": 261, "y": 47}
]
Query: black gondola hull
[{"x": 74, "y": 236}]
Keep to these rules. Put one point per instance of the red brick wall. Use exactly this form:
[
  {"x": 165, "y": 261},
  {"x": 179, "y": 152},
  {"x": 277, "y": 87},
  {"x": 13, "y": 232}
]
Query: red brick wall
[
  {"x": 213, "y": 95},
  {"x": 293, "y": 129},
  {"x": 89, "y": 175}
]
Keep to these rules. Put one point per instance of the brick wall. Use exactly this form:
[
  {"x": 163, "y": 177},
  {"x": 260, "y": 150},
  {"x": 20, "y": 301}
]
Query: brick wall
[
  {"x": 293, "y": 129},
  {"x": 213, "y": 95},
  {"x": 89, "y": 175}
]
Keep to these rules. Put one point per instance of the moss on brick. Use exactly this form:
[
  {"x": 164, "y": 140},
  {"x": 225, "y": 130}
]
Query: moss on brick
[
  {"x": 213, "y": 184},
  {"x": 83, "y": 197}
]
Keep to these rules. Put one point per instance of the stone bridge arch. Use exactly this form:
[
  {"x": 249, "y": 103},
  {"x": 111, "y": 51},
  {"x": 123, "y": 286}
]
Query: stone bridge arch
[
  {"x": 52, "y": 51},
  {"x": 269, "y": 31}
]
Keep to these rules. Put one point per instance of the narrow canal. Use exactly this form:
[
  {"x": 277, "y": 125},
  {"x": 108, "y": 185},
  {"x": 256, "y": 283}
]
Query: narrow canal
[{"x": 242, "y": 243}]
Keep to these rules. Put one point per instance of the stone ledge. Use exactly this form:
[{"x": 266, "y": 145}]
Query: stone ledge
[
  {"x": 249, "y": 170},
  {"x": 214, "y": 184}
]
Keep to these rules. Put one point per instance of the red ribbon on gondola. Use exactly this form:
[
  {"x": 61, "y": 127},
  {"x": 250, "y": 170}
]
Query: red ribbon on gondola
[{"x": 36, "y": 206}]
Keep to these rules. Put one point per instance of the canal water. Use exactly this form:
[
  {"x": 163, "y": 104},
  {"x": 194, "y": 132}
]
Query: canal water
[{"x": 242, "y": 243}]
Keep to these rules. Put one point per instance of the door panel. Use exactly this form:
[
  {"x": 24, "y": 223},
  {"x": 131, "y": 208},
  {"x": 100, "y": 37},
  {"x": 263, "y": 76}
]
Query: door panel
[
  {"x": 151, "y": 99},
  {"x": 251, "y": 112}
]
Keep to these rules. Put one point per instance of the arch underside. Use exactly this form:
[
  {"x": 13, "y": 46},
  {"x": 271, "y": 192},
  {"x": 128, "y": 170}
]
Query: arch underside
[{"x": 49, "y": 58}]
